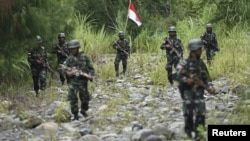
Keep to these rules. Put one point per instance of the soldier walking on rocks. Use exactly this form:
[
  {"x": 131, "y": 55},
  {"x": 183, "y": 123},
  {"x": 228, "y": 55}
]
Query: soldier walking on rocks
[
  {"x": 193, "y": 77},
  {"x": 79, "y": 70}
]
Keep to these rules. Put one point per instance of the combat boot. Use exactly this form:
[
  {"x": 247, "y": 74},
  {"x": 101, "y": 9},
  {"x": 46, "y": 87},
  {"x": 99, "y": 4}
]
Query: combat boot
[
  {"x": 84, "y": 113},
  {"x": 116, "y": 73},
  {"x": 124, "y": 71},
  {"x": 36, "y": 93},
  {"x": 75, "y": 117},
  {"x": 62, "y": 83},
  {"x": 116, "y": 70},
  {"x": 170, "y": 79}
]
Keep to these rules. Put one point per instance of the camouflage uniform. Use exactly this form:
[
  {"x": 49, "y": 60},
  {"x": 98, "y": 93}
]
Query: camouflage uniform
[
  {"x": 61, "y": 50},
  {"x": 122, "y": 53},
  {"x": 172, "y": 57},
  {"x": 192, "y": 95},
  {"x": 79, "y": 83},
  {"x": 211, "y": 44},
  {"x": 39, "y": 71}
]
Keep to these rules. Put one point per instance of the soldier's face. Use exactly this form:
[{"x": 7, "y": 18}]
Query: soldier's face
[
  {"x": 172, "y": 33},
  {"x": 61, "y": 39},
  {"x": 198, "y": 52},
  {"x": 74, "y": 51},
  {"x": 209, "y": 29}
]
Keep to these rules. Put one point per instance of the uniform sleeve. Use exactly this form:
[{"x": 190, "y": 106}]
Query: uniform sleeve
[
  {"x": 128, "y": 46},
  {"x": 54, "y": 50},
  {"x": 205, "y": 73},
  {"x": 90, "y": 66},
  {"x": 181, "y": 72},
  {"x": 163, "y": 45},
  {"x": 215, "y": 40},
  {"x": 45, "y": 56},
  {"x": 114, "y": 44},
  {"x": 181, "y": 47},
  {"x": 202, "y": 36},
  {"x": 30, "y": 58}
]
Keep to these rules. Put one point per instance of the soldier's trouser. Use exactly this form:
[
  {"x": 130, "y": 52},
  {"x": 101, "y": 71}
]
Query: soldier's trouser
[
  {"x": 210, "y": 55},
  {"x": 193, "y": 107},
  {"x": 73, "y": 97},
  {"x": 171, "y": 62},
  {"x": 118, "y": 59},
  {"x": 39, "y": 75},
  {"x": 63, "y": 77}
]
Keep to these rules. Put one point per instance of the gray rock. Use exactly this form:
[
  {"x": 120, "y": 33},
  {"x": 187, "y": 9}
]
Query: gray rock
[
  {"x": 90, "y": 138},
  {"x": 32, "y": 122},
  {"x": 153, "y": 138},
  {"x": 142, "y": 134},
  {"x": 85, "y": 131}
]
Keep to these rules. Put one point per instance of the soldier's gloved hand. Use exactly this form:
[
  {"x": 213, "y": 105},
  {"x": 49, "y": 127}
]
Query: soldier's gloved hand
[
  {"x": 190, "y": 81},
  {"x": 211, "y": 90},
  {"x": 70, "y": 73},
  {"x": 168, "y": 46},
  {"x": 39, "y": 61},
  {"x": 205, "y": 42}
]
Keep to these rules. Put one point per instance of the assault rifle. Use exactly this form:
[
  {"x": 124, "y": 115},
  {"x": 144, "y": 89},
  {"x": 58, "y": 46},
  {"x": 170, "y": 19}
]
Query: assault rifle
[
  {"x": 45, "y": 63},
  {"x": 76, "y": 72},
  {"x": 120, "y": 48},
  {"x": 198, "y": 82},
  {"x": 62, "y": 51},
  {"x": 173, "y": 49},
  {"x": 214, "y": 47}
]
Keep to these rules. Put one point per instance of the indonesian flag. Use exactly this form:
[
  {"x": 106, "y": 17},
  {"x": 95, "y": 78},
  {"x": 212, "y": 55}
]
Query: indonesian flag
[{"x": 132, "y": 14}]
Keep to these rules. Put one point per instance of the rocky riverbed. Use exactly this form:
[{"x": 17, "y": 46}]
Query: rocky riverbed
[{"x": 128, "y": 108}]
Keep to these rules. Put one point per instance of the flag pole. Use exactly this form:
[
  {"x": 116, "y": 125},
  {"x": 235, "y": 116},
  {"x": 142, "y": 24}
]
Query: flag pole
[{"x": 127, "y": 17}]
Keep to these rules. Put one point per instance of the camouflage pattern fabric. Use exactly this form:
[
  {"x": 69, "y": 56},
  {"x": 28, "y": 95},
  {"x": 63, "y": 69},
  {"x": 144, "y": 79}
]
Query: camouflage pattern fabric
[
  {"x": 38, "y": 71},
  {"x": 193, "y": 100},
  {"x": 211, "y": 45},
  {"x": 172, "y": 58},
  {"x": 61, "y": 57},
  {"x": 121, "y": 55},
  {"x": 79, "y": 84}
]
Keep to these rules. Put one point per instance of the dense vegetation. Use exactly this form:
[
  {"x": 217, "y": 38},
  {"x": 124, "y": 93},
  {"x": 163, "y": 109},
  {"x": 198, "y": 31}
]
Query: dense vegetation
[{"x": 96, "y": 23}]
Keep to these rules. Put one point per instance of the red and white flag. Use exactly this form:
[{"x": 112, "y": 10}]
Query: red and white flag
[{"x": 132, "y": 14}]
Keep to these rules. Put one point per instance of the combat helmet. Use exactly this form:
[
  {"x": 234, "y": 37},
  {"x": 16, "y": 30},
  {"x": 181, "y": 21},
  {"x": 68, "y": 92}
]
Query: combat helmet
[
  {"x": 74, "y": 44},
  {"x": 209, "y": 25},
  {"x": 39, "y": 39},
  {"x": 195, "y": 44},
  {"x": 121, "y": 34},
  {"x": 172, "y": 29},
  {"x": 61, "y": 35}
]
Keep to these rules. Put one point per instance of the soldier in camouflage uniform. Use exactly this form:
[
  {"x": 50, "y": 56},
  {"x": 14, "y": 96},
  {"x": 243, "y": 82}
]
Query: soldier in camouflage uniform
[
  {"x": 37, "y": 58},
  {"x": 193, "y": 77},
  {"x": 123, "y": 51},
  {"x": 78, "y": 83},
  {"x": 210, "y": 41},
  {"x": 61, "y": 50},
  {"x": 174, "y": 51}
]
